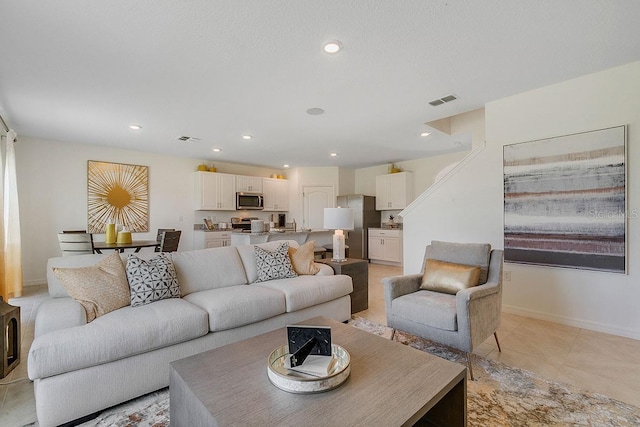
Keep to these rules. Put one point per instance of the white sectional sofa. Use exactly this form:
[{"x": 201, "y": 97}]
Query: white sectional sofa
[{"x": 79, "y": 368}]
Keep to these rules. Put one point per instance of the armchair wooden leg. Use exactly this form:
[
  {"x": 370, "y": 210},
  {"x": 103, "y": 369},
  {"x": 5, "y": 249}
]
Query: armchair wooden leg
[
  {"x": 469, "y": 366},
  {"x": 393, "y": 333},
  {"x": 495, "y": 335}
]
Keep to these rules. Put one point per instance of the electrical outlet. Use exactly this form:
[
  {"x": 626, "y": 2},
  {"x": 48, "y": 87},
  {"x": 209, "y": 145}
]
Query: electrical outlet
[{"x": 506, "y": 275}]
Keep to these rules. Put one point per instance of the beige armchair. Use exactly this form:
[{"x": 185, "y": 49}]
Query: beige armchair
[{"x": 438, "y": 306}]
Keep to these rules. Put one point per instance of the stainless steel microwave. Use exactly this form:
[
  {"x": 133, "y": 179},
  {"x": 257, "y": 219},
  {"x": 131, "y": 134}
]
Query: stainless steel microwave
[{"x": 252, "y": 201}]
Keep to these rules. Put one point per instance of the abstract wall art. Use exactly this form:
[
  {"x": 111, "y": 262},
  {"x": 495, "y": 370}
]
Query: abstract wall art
[
  {"x": 117, "y": 193},
  {"x": 565, "y": 201}
]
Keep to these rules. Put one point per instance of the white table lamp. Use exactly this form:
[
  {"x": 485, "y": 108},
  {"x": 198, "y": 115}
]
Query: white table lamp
[{"x": 338, "y": 219}]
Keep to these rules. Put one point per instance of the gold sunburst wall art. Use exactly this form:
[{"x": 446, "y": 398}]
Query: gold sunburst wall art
[{"x": 117, "y": 193}]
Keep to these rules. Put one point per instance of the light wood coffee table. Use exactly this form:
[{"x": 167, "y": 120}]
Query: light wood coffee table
[{"x": 390, "y": 385}]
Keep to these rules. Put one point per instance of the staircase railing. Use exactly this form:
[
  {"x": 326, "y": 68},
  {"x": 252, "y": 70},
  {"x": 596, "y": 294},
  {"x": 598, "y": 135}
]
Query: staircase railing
[{"x": 433, "y": 187}]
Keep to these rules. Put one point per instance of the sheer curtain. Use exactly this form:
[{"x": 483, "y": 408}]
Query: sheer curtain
[{"x": 10, "y": 251}]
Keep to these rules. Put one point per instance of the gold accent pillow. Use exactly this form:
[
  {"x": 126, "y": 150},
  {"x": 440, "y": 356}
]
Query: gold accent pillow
[
  {"x": 449, "y": 278},
  {"x": 100, "y": 288},
  {"x": 302, "y": 258}
]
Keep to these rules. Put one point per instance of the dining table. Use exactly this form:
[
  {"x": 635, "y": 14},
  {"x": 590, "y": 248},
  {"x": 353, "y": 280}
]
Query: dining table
[{"x": 98, "y": 247}]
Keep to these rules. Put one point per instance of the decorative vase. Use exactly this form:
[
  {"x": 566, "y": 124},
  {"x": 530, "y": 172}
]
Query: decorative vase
[
  {"x": 110, "y": 234},
  {"x": 124, "y": 237}
]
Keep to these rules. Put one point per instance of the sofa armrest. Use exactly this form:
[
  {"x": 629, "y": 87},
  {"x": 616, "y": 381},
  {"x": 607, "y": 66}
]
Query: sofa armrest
[
  {"x": 481, "y": 305},
  {"x": 325, "y": 270},
  {"x": 466, "y": 295},
  {"x": 58, "y": 313},
  {"x": 396, "y": 286},
  {"x": 493, "y": 284}
]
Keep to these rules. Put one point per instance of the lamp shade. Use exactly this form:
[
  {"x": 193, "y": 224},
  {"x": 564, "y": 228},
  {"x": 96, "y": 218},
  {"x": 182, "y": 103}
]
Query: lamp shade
[{"x": 338, "y": 218}]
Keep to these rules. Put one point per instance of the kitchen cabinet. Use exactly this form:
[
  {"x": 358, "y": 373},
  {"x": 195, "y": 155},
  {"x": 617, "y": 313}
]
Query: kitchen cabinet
[
  {"x": 385, "y": 246},
  {"x": 248, "y": 184},
  {"x": 215, "y": 191},
  {"x": 211, "y": 239},
  {"x": 394, "y": 191},
  {"x": 276, "y": 194}
]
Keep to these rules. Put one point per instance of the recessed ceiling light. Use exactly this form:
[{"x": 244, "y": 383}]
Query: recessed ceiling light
[
  {"x": 134, "y": 126},
  {"x": 285, "y": 166},
  {"x": 216, "y": 149},
  {"x": 333, "y": 154},
  {"x": 315, "y": 111},
  {"x": 334, "y": 46},
  {"x": 425, "y": 134},
  {"x": 247, "y": 136}
]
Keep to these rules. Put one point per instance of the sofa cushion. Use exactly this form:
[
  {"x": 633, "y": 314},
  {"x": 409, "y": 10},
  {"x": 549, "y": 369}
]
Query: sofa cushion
[
  {"x": 433, "y": 309},
  {"x": 302, "y": 258},
  {"x": 235, "y": 306},
  {"x": 463, "y": 253},
  {"x": 116, "y": 335},
  {"x": 447, "y": 277},
  {"x": 307, "y": 291},
  {"x": 100, "y": 289},
  {"x": 272, "y": 265},
  {"x": 152, "y": 280},
  {"x": 205, "y": 269},
  {"x": 248, "y": 256}
]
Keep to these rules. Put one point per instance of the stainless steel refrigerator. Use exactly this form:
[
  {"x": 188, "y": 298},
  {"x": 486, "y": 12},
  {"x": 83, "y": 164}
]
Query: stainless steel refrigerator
[{"x": 365, "y": 216}]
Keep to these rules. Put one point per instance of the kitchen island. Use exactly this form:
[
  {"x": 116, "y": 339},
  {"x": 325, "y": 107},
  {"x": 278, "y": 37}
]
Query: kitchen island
[{"x": 321, "y": 237}]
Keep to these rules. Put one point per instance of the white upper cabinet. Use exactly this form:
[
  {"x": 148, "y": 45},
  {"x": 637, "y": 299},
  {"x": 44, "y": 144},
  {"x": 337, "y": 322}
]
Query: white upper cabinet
[
  {"x": 276, "y": 194},
  {"x": 249, "y": 184},
  {"x": 215, "y": 191},
  {"x": 394, "y": 191}
]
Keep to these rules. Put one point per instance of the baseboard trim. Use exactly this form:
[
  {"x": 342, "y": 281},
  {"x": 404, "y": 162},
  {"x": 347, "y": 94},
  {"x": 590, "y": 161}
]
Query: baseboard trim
[
  {"x": 569, "y": 321},
  {"x": 34, "y": 282},
  {"x": 380, "y": 262}
]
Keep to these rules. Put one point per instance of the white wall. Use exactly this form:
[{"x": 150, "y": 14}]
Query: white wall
[
  {"x": 52, "y": 185},
  {"x": 346, "y": 181},
  {"x": 424, "y": 172},
  {"x": 469, "y": 205}
]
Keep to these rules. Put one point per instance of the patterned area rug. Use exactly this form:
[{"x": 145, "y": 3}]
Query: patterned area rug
[{"x": 500, "y": 396}]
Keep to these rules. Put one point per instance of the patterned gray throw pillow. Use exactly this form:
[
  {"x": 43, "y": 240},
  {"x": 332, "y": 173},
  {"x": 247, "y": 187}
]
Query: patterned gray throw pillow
[
  {"x": 273, "y": 265},
  {"x": 152, "y": 280}
]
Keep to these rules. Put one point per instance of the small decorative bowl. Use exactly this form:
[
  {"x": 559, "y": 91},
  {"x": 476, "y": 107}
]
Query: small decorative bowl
[{"x": 294, "y": 382}]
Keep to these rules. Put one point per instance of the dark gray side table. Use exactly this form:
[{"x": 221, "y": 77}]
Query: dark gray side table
[{"x": 358, "y": 270}]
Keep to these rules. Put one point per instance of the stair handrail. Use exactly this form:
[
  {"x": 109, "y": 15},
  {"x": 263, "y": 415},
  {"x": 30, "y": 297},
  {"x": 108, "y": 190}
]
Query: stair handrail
[{"x": 433, "y": 187}]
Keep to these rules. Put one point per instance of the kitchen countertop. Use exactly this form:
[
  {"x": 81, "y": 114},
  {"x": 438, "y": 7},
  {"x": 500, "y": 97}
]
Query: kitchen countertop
[{"x": 321, "y": 237}]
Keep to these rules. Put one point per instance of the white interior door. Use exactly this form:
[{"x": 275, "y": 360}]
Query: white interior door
[{"x": 314, "y": 200}]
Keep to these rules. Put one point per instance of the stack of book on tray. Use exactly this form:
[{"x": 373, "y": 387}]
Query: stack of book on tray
[
  {"x": 310, "y": 350},
  {"x": 316, "y": 366}
]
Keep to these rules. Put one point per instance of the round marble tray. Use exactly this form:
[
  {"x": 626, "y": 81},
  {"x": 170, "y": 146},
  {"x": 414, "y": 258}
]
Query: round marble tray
[{"x": 295, "y": 382}]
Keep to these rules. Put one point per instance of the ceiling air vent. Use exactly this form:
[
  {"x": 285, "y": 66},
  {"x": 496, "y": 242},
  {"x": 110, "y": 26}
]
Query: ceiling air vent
[
  {"x": 188, "y": 139},
  {"x": 442, "y": 100}
]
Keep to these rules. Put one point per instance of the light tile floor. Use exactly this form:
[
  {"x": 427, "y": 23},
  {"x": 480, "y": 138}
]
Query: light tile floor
[
  {"x": 590, "y": 360},
  {"x": 593, "y": 361},
  {"x": 17, "y": 404}
]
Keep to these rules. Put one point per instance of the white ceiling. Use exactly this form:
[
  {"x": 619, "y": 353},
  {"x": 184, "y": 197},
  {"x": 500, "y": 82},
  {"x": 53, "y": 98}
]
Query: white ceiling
[{"x": 82, "y": 71}]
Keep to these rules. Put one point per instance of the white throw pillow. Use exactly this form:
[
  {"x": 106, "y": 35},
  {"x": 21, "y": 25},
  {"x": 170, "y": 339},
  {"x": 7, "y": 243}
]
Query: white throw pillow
[
  {"x": 152, "y": 280},
  {"x": 273, "y": 265}
]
